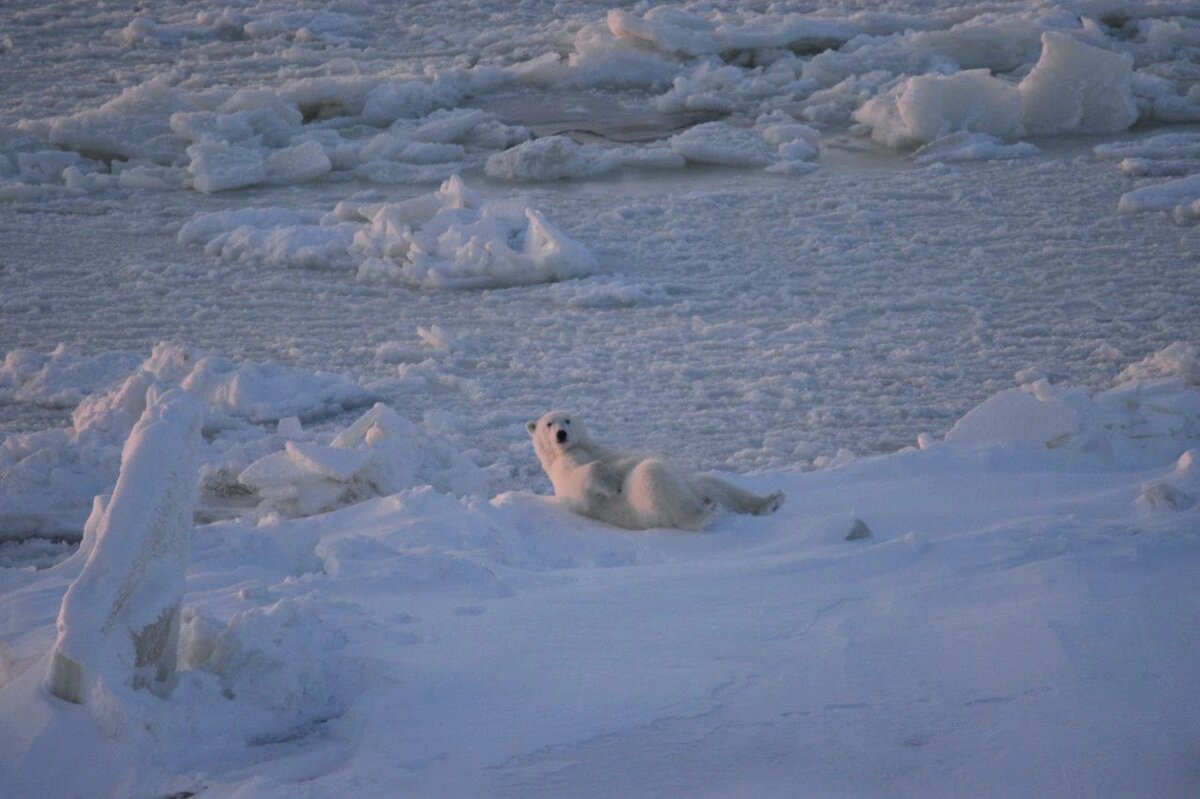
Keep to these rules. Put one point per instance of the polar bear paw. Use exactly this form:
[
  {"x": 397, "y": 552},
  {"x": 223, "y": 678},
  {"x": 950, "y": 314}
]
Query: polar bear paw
[{"x": 771, "y": 503}]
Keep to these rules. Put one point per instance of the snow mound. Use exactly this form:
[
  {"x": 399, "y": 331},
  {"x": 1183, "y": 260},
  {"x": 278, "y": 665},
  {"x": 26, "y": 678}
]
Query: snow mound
[
  {"x": 1164, "y": 146},
  {"x": 611, "y": 294},
  {"x": 551, "y": 158},
  {"x": 282, "y": 659},
  {"x": 61, "y": 378},
  {"x": 723, "y": 144},
  {"x": 378, "y": 455},
  {"x": 1151, "y": 414},
  {"x": 451, "y": 238},
  {"x": 930, "y": 107},
  {"x": 1073, "y": 88},
  {"x": 254, "y": 392},
  {"x": 688, "y": 34},
  {"x": 1180, "y": 196},
  {"x": 1181, "y": 360},
  {"x": 1078, "y": 88},
  {"x": 119, "y": 623}
]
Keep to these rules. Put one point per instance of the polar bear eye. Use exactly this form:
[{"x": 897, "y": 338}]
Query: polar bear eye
[{"x": 566, "y": 421}]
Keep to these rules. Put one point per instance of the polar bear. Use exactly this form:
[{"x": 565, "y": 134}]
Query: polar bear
[{"x": 631, "y": 491}]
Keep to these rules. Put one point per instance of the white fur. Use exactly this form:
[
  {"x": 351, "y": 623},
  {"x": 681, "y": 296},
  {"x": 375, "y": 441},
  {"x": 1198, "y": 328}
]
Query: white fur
[{"x": 631, "y": 491}]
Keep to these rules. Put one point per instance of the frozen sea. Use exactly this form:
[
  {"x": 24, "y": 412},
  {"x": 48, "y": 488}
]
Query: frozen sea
[{"x": 932, "y": 265}]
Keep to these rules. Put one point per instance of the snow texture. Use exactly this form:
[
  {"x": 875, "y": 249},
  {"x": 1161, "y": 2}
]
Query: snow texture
[
  {"x": 955, "y": 238},
  {"x": 294, "y": 633},
  {"x": 119, "y": 622},
  {"x": 451, "y": 238}
]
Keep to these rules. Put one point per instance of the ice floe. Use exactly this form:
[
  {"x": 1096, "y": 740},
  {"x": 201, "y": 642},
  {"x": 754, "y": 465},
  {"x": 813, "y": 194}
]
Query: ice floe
[{"x": 451, "y": 238}]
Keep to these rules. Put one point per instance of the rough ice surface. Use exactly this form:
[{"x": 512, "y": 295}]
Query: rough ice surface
[
  {"x": 378, "y": 455},
  {"x": 119, "y": 622},
  {"x": 963, "y": 146},
  {"x": 793, "y": 231},
  {"x": 449, "y": 239},
  {"x": 49, "y": 477},
  {"x": 929, "y": 107},
  {"x": 1073, "y": 88},
  {"x": 1078, "y": 88},
  {"x": 294, "y": 631}
]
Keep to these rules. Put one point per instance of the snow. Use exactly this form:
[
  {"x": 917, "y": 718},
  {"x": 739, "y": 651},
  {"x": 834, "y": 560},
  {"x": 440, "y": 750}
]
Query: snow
[
  {"x": 49, "y": 477},
  {"x": 884, "y": 258},
  {"x": 1173, "y": 194},
  {"x": 119, "y": 623},
  {"x": 451, "y": 238},
  {"x": 1073, "y": 88},
  {"x": 379, "y": 455},
  {"x": 963, "y": 146},
  {"x": 351, "y": 645}
]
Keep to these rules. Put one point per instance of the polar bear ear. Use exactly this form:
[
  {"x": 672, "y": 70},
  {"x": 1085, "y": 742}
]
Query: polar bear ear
[{"x": 531, "y": 427}]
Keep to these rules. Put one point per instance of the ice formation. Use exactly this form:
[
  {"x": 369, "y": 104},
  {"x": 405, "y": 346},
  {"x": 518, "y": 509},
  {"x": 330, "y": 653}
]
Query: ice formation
[
  {"x": 909, "y": 79},
  {"x": 1152, "y": 413},
  {"x": 49, "y": 477},
  {"x": 907, "y": 294},
  {"x": 299, "y": 634},
  {"x": 119, "y": 622},
  {"x": 1074, "y": 88},
  {"x": 451, "y": 238},
  {"x": 378, "y": 455}
]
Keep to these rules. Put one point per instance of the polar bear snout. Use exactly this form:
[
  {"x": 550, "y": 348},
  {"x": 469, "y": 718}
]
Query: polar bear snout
[{"x": 561, "y": 436}]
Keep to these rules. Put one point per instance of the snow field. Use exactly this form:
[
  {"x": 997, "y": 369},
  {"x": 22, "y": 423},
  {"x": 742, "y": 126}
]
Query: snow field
[{"x": 306, "y": 640}]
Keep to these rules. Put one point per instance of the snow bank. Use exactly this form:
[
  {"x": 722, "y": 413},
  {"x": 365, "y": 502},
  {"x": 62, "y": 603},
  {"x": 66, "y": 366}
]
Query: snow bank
[
  {"x": 313, "y": 650},
  {"x": 378, "y": 455},
  {"x": 119, "y": 622},
  {"x": 448, "y": 239}
]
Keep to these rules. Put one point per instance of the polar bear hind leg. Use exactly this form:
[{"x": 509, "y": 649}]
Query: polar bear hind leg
[
  {"x": 662, "y": 497},
  {"x": 737, "y": 499}
]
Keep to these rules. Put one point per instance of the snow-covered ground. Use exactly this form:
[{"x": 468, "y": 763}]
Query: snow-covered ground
[{"x": 300, "y": 272}]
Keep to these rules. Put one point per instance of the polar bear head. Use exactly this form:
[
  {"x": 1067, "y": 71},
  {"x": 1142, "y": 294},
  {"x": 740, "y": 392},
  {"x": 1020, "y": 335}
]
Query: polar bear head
[{"x": 555, "y": 433}]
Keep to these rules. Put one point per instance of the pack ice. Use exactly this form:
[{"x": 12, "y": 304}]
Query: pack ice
[
  {"x": 451, "y": 238},
  {"x": 905, "y": 78}
]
